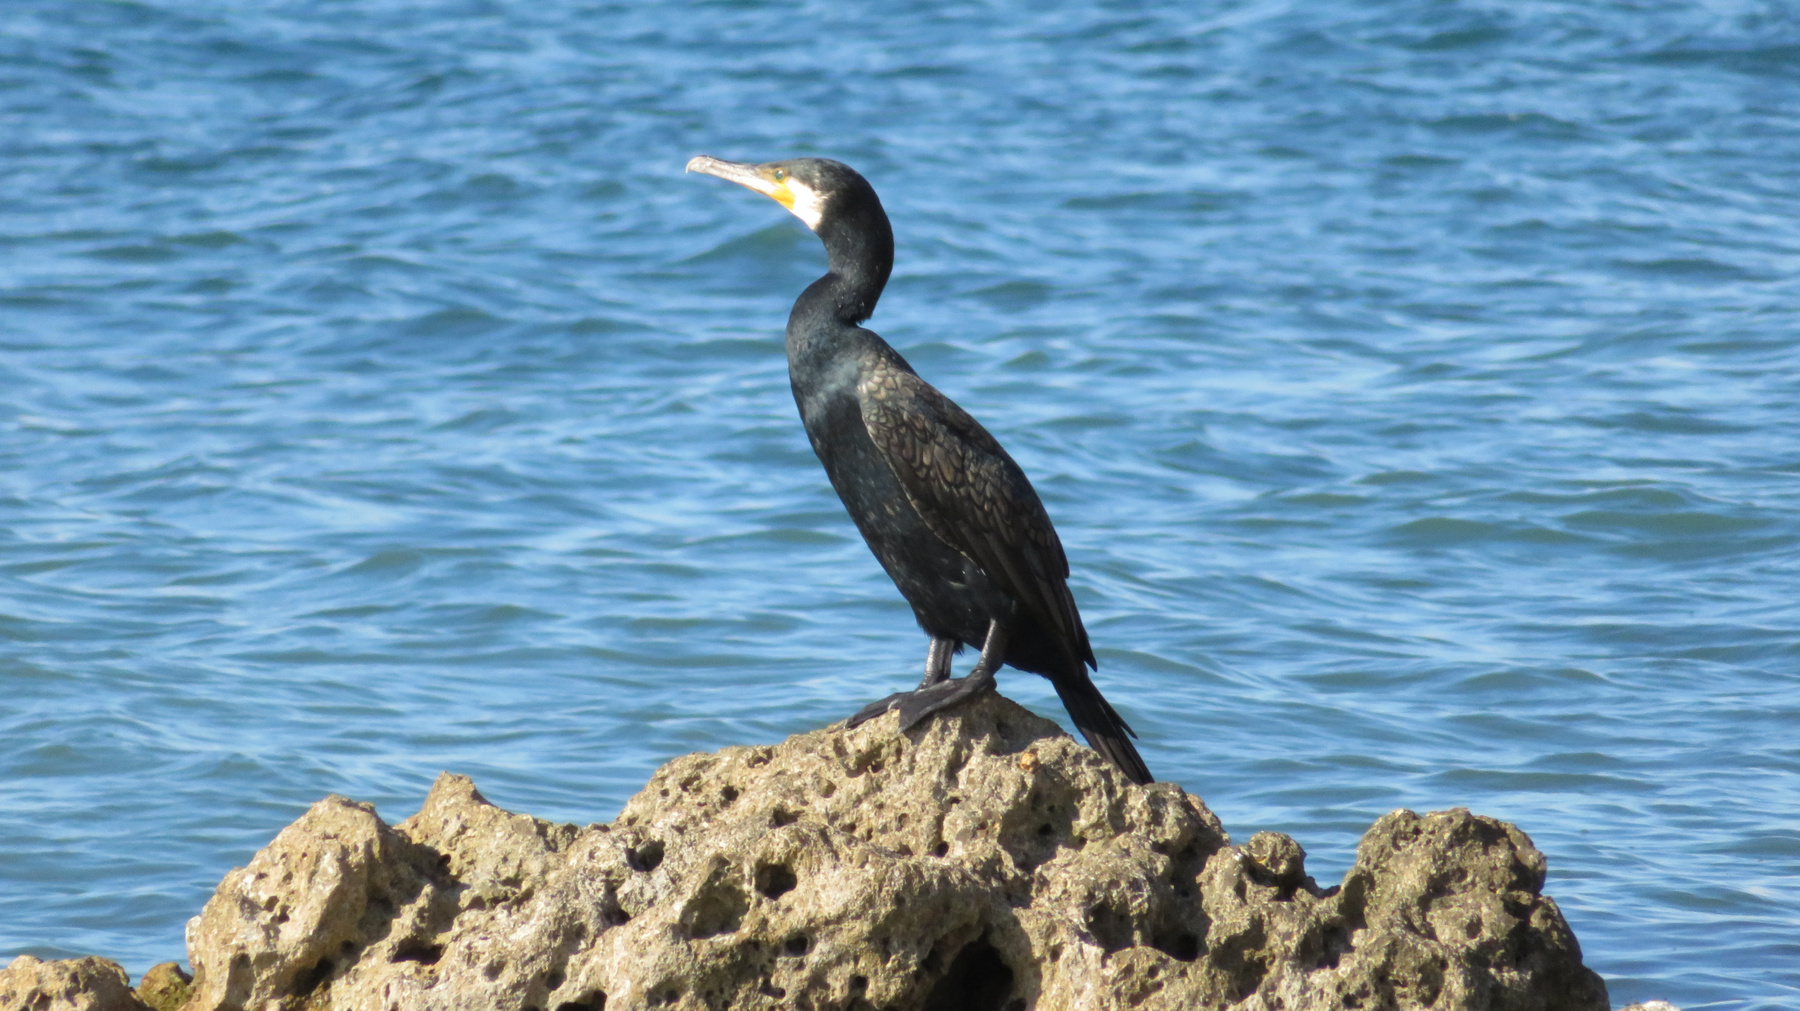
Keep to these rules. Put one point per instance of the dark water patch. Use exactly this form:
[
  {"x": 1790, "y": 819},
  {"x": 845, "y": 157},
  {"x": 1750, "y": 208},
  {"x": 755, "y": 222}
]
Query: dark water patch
[
  {"x": 1667, "y": 420},
  {"x": 1420, "y": 161},
  {"x": 769, "y": 242},
  {"x": 1530, "y": 125},
  {"x": 1767, "y": 60},
  {"x": 136, "y": 253},
  {"x": 1692, "y": 268},
  {"x": 487, "y": 419},
  {"x": 1545, "y": 782},
  {"x": 1666, "y": 525},
  {"x": 1014, "y": 296},
  {"x": 1473, "y": 37},
  {"x": 1443, "y": 531},
  {"x": 453, "y": 321}
]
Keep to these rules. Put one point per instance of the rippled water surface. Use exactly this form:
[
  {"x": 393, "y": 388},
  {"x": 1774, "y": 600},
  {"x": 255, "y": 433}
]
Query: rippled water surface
[{"x": 1413, "y": 383}]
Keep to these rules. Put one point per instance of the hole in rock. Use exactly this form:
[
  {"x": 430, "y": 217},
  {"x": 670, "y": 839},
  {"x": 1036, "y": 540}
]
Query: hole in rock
[
  {"x": 940, "y": 849},
  {"x": 554, "y": 980},
  {"x": 858, "y": 984},
  {"x": 416, "y": 950},
  {"x": 309, "y": 979},
  {"x": 782, "y": 816},
  {"x": 645, "y": 858},
  {"x": 775, "y": 880},
  {"x": 1183, "y": 947},
  {"x": 797, "y": 945},
  {"x": 1334, "y": 943},
  {"x": 719, "y": 909},
  {"x": 593, "y": 1000},
  {"x": 1113, "y": 929},
  {"x": 729, "y": 794},
  {"x": 978, "y": 980}
]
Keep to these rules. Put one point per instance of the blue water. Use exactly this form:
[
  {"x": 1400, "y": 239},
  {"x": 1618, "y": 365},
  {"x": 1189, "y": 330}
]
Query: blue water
[{"x": 1414, "y": 385}]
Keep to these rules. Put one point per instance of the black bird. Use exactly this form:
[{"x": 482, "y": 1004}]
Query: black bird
[{"x": 947, "y": 512}]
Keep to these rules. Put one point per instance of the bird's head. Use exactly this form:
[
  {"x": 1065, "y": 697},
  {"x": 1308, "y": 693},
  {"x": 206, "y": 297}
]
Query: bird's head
[{"x": 810, "y": 187}]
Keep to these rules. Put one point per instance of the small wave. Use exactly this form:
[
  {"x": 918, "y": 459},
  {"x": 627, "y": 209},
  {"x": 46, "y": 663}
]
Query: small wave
[
  {"x": 1015, "y": 296},
  {"x": 1534, "y": 124},
  {"x": 485, "y": 419},
  {"x": 135, "y": 253},
  {"x": 766, "y": 242},
  {"x": 387, "y": 562},
  {"x": 1694, "y": 268},
  {"x": 1463, "y": 38},
  {"x": 456, "y": 321}
]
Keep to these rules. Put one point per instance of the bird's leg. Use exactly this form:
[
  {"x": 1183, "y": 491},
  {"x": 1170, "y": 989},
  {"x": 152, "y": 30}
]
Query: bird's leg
[
  {"x": 937, "y": 660},
  {"x": 944, "y": 694},
  {"x": 937, "y": 670}
]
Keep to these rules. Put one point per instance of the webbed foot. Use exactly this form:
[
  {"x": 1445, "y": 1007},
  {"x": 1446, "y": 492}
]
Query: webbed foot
[{"x": 916, "y": 705}]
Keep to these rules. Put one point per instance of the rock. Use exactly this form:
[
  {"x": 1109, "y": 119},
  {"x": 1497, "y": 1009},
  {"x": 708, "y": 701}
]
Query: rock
[
  {"x": 164, "y": 987},
  {"x": 981, "y": 861},
  {"x": 74, "y": 984}
]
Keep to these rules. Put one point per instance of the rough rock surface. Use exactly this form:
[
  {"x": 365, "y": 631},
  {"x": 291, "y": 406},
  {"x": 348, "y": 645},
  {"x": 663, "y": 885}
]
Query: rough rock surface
[
  {"x": 983, "y": 860},
  {"x": 73, "y": 984},
  {"x": 164, "y": 987}
]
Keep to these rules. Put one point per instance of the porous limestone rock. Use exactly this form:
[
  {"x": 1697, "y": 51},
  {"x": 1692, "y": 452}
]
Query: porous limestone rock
[
  {"x": 979, "y": 862},
  {"x": 72, "y": 984},
  {"x": 164, "y": 987}
]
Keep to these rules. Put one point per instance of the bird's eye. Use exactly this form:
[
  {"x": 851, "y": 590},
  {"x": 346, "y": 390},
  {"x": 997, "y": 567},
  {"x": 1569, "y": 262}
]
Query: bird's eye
[{"x": 781, "y": 175}]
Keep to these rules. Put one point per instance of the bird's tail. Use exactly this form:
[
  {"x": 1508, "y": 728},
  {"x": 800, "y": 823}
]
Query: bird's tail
[{"x": 1105, "y": 730}]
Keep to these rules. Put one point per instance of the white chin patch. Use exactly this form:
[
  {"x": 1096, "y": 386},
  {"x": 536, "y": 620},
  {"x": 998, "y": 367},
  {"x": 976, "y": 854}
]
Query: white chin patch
[{"x": 809, "y": 205}]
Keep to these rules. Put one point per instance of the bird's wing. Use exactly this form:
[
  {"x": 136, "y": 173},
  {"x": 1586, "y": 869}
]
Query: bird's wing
[{"x": 972, "y": 495}]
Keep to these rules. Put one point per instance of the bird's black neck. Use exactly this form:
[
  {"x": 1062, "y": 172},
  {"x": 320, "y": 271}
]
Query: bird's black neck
[{"x": 859, "y": 252}]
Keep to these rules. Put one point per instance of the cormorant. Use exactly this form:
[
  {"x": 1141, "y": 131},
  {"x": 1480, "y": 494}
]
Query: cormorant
[{"x": 946, "y": 511}]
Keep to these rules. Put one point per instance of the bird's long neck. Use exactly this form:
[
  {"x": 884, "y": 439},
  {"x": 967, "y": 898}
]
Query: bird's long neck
[{"x": 859, "y": 252}]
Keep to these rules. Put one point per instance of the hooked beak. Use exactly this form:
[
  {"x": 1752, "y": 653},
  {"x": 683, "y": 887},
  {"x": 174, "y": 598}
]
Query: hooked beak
[{"x": 748, "y": 176}]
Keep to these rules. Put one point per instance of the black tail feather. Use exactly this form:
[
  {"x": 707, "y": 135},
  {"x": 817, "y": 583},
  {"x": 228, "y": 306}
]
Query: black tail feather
[{"x": 1105, "y": 731}]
